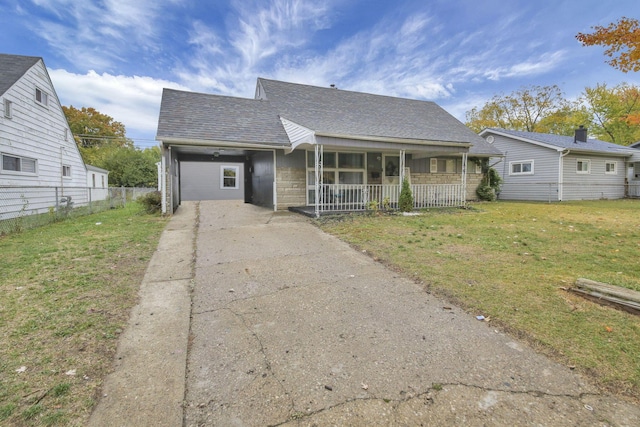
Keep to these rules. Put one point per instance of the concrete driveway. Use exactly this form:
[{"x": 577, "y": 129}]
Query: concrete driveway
[
  {"x": 290, "y": 326},
  {"x": 253, "y": 318}
]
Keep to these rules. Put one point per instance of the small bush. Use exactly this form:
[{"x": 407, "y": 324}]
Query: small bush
[
  {"x": 152, "y": 202},
  {"x": 486, "y": 193},
  {"x": 405, "y": 203}
]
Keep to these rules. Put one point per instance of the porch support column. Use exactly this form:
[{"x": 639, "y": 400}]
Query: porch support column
[
  {"x": 402, "y": 166},
  {"x": 319, "y": 199},
  {"x": 464, "y": 178}
]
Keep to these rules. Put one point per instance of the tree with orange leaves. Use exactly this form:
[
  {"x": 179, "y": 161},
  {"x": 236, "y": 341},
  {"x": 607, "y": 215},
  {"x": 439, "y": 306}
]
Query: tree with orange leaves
[{"x": 622, "y": 39}]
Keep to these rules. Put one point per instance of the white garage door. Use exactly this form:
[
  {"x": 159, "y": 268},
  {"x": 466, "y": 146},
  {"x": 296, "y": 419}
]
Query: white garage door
[{"x": 211, "y": 181}]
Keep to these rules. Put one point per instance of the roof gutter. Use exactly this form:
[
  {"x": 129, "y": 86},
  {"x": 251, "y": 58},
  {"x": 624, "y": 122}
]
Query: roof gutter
[
  {"x": 561, "y": 173},
  {"x": 216, "y": 143},
  {"x": 395, "y": 140}
]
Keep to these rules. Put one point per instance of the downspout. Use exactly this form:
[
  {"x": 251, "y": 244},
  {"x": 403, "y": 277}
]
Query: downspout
[
  {"x": 464, "y": 178},
  {"x": 162, "y": 181},
  {"x": 561, "y": 174}
]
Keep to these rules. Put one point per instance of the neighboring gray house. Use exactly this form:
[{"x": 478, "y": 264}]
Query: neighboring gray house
[
  {"x": 633, "y": 175},
  {"x": 39, "y": 159},
  {"x": 315, "y": 148},
  {"x": 546, "y": 167}
]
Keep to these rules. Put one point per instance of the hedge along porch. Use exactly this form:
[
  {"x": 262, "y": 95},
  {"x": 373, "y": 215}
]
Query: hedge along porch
[{"x": 323, "y": 148}]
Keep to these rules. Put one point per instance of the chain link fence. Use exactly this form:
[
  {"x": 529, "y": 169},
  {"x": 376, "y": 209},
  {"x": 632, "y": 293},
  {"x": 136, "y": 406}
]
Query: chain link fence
[{"x": 28, "y": 207}]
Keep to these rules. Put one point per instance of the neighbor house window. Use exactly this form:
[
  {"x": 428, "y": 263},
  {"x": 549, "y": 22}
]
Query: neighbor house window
[
  {"x": 521, "y": 168},
  {"x": 42, "y": 97},
  {"x": 102, "y": 178},
  {"x": 7, "y": 108},
  {"x": 229, "y": 177},
  {"x": 66, "y": 171},
  {"x": 93, "y": 180},
  {"x": 583, "y": 166},
  {"x": 18, "y": 164},
  {"x": 610, "y": 168}
]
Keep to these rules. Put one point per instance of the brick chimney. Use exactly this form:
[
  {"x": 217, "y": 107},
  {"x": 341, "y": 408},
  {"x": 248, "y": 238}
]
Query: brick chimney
[{"x": 581, "y": 135}]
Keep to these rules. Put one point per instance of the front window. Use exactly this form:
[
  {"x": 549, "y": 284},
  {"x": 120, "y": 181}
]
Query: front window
[
  {"x": 521, "y": 168},
  {"x": 229, "y": 177},
  {"x": 18, "y": 164},
  {"x": 337, "y": 168},
  {"x": 583, "y": 166}
]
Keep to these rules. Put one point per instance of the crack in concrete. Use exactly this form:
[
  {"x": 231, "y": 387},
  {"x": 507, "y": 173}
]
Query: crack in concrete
[
  {"x": 264, "y": 356},
  {"x": 428, "y": 395}
]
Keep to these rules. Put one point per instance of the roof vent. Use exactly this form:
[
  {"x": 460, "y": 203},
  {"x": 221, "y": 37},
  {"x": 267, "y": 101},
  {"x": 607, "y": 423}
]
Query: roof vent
[{"x": 581, "y": 135}]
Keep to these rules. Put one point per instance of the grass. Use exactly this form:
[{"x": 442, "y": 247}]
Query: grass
[
  {"x": 512, "y": 262},
  {"x": 65, "y": 296}
]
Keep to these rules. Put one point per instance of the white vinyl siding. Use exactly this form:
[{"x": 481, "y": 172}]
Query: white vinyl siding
[
  {"x": 597, "y": 184},
  {"x": 541, "y": 184},
  {"x": 37, "y": 133}
]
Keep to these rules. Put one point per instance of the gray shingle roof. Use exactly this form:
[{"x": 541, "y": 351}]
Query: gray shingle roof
[
  {"x": 12, "y": 67},
  {"x": 198, "y": 116},
  {"x": 204, "y": 117},
  {"x": 331, "y": 111},
  {"x": 565, "y": 142}
]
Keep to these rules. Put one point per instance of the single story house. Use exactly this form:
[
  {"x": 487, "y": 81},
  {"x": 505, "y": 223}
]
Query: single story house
[
  {"x": 98, "y": 183},
  {"x": 315, "y": 148},
  {"x": 547, "y": 167},
  {"x": 40, "y": 162}
]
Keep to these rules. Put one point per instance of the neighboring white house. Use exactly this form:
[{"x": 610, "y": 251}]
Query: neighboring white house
[
  {"x": 98, "y": 183},
  {"x": 633, "y": 171},
  {"x": 546, "y": 167},
  {"x": 40, "y": 161}
]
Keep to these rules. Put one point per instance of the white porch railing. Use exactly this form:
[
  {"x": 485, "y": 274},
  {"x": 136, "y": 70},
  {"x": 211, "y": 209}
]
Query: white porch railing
[{"x": 359, "y": 197}]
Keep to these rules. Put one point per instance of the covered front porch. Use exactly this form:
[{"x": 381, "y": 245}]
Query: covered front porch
[{"x": 342, "y": 179}]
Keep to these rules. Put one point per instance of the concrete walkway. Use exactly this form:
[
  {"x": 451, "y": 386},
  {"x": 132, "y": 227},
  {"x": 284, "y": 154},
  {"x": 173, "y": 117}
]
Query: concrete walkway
[{"x": 289, "y": 326}]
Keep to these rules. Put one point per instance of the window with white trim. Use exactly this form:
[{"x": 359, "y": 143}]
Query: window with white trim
[
  {"x": 66, "y": 171},
  {"x": 7, "y": 108},
  {"x": 583, "y": 166},
  {"x": 524, "y": 167},
  {"x": 229, "y": 177},
  {"x": 42, "y": 97},
  {"x": 17, "y": 164},
  {"x": 611, "y": 168}
]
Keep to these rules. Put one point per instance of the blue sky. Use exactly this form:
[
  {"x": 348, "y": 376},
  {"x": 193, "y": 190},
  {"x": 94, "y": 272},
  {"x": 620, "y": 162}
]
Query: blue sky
[{"x": 117, "y": 55}]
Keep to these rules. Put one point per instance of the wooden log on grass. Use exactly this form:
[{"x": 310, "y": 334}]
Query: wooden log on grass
[{"x": 604, "y": 293}]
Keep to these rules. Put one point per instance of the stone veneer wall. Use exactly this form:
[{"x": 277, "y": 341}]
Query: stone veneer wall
[
  {"x": 473, "y": 180},
  {"x": 291, "y": 187}
]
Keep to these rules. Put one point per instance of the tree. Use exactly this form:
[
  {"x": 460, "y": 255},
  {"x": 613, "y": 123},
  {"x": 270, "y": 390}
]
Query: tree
[
  {"x": 622, "y": 39},
  {"x": 95, "y": 133},
  {"x": 614, "y": 112},
  {"x": 130, "y": 167},
  {"x": 405, "y": 201},
  {"x": 522, "y": 110}
]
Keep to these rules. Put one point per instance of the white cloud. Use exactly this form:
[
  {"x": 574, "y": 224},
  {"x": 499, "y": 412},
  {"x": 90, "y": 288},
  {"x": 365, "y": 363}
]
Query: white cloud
[
  {"x": 131, "y": 100},
  {"x": 93, "y": 34}
]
